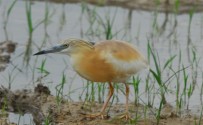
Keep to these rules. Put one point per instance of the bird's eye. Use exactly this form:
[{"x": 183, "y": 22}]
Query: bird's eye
[{"x": 66, "y": 45}]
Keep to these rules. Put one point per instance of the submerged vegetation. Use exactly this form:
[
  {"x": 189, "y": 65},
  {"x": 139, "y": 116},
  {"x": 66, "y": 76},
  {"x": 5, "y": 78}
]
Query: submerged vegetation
[{"x": 171, "y": 43}]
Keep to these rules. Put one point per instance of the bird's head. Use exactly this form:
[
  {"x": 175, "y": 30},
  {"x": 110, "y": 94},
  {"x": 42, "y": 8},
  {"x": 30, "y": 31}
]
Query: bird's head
[{"x": 69, "y": 46}]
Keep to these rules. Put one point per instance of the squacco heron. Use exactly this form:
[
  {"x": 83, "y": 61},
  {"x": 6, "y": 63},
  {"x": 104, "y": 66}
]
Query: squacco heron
[{"x": 110, "y": 61}]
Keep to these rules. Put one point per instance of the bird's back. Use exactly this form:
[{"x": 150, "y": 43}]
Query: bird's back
[{"x": 119, "y": 50}]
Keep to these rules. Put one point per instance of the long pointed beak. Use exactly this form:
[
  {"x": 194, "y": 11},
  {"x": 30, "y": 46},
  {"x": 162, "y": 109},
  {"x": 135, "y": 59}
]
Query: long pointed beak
[{"x": 52, "y": 50}]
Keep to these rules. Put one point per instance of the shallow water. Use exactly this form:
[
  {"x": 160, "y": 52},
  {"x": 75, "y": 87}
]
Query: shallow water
[
  {"x": 77, "y": 24},
  {"x": 21, "y": 119}
]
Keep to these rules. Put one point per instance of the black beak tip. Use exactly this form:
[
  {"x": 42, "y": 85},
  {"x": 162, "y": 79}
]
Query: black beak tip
[{"x": 39, "y": 53}]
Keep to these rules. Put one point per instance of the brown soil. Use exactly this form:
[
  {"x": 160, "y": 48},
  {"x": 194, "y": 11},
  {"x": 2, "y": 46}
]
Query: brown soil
[
  {"x": 6, "y": 48},
  {"x": 43, "y": 106},
  {"x": 184, "y": 6}
]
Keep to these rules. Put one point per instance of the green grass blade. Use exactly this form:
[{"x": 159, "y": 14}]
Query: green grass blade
[
  {"x": 169, "y": 61},
  {"x": 11, "y": 7}
]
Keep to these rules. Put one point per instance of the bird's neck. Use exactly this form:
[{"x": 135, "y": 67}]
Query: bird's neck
[{"x": 80, "y": 55}]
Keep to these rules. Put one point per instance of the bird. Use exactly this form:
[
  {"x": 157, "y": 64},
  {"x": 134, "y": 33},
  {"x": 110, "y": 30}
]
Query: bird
[{"x": 106, "y": 61}]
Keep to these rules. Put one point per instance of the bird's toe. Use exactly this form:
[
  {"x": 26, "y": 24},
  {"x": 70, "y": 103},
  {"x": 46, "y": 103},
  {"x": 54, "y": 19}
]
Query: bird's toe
[
  {"x": 97, "y": 115},
  {"x": 126, "y": 116}
]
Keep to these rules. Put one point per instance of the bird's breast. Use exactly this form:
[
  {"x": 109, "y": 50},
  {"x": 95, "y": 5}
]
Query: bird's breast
[{"x": 93, "y": 68}]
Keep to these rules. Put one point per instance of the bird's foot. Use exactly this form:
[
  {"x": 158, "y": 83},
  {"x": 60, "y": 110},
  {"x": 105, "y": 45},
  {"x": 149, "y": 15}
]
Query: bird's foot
[
  {"x": 101, "y": 115},
  {"x": 126, "y": 116}
]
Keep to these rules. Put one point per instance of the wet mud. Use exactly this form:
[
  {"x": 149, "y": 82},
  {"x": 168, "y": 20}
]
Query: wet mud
[
  {"x": 45, "y": 107},
  {"x": 6, "y": 49}
]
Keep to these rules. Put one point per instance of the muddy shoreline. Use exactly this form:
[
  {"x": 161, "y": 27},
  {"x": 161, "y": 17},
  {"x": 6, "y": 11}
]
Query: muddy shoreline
[
  {"x": 44, "y": 106},
  {"x": 165, "y": 6}
]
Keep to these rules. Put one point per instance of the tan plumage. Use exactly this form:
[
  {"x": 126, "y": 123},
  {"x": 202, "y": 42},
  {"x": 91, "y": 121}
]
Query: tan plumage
[
  {"x": 106, "y": 61},
  {"x": 96, "y": 64}
]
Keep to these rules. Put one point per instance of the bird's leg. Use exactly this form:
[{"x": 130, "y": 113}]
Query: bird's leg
[
  {"x": 101, "y": 114},
  {"x": 127, "y": 90}
]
